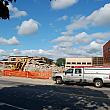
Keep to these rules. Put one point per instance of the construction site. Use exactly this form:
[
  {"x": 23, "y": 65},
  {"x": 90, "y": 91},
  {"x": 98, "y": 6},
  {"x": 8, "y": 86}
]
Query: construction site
[{"x": 30, "y": 67}]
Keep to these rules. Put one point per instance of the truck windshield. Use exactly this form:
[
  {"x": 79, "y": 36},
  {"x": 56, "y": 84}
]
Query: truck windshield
[{"x": 69, "y": 72}]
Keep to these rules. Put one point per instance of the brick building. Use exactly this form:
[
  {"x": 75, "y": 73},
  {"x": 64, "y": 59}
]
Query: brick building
[
  {"x": 97, "y": 61},
  {"x": 106, "y": 53}
]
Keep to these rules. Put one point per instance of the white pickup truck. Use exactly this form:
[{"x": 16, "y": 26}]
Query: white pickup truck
[{"x": 96, "y": 75}]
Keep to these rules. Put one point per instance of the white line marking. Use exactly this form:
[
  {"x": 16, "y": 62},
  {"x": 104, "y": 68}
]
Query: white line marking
[{"x": 2, "y": 103}]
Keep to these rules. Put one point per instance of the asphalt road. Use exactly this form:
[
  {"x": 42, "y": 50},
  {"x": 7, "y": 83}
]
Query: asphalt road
[{"x": 22, "y": 96}]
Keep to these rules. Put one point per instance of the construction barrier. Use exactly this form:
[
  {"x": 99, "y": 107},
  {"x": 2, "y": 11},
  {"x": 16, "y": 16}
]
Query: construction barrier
[
  {"x": 28, "y": 74},
  {"x": 40, "y": 75},
  {"x": 1, "y": 73}
]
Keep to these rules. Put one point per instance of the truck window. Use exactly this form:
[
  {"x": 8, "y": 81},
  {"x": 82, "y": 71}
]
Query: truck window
[
  {"x": 69, "y": 71},
  {"x": 78, "y": 71}
]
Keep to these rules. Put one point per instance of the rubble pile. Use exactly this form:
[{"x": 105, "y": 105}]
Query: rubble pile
[
  {"x": 25, "y": 63},
  {"x": 41, "y": 65}
]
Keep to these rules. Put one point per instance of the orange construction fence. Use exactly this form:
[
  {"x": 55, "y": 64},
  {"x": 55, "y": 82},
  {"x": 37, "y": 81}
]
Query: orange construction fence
[{"x": 28, "y": 74}]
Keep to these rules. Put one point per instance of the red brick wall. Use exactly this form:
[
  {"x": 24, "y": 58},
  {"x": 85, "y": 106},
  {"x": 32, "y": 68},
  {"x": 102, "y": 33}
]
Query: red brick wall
[{"x": 106, "y": 53}]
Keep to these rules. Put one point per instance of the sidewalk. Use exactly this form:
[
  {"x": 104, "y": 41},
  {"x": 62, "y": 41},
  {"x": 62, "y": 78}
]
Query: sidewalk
[{"x": 28, "y": 80}]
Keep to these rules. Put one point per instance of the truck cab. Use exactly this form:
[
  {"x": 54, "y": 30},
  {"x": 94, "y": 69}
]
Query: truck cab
[{"x": 70, "y": 75}]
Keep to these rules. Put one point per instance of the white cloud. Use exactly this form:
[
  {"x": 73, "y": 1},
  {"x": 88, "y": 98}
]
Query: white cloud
[
  {"x": 29, "y": 52},
  {"x": 95, "y": 45},
  {"x": 100, "y": 17},
  {"x": 3, "y": 52},
  {"x": 65, "y": 46},
  {"x": 88, "y": 44},
  {"x": 39, "y": 52},
  {"x": 63, "y": 18},
  {"x": 77, "y": 24},
  {"x": 11, "y": 41},
  {"x": 63, "y": 41},
  {"x": 16, "y": 51},
  {"x": 93, "y": 49},
  {"x": 82, "y": 38},
  {"x": 87, "y": 38},
  {"x": 28, "y": 27},
  {"x": 61, "y": 4},
  {"x": 100, "y": 35},
  {"x": 15, "y": 12},
  {"x": 82, "y": 44}
]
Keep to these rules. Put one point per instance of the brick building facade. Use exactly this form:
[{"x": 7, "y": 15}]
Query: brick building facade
[{"x": 106, "y": 53}]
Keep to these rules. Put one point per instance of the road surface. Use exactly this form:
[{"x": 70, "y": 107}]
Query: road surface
[{"x": 22, "y": 96}]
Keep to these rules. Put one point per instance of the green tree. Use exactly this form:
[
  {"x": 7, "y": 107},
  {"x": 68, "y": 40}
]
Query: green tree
[
  {"x": 4, "y": 11},
  {"x": 60, "y": 62},
  {"x": 48, "y": 61}
]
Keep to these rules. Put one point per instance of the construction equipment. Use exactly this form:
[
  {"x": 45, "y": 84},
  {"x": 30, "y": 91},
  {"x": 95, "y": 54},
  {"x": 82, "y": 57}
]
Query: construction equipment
[{"x": 19, "y": 65}]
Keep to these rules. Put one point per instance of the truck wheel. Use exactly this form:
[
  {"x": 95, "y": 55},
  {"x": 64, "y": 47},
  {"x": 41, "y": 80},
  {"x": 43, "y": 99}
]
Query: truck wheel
[
  {"x": 58, "y": 80},
  {"x": 98, "y": 83}
]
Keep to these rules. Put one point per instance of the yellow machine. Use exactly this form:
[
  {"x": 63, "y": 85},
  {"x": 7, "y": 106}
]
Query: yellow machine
[{"x": 19, "y": 65}]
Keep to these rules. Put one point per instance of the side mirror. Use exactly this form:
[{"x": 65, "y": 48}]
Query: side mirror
[{"x": 64, "y": 71}]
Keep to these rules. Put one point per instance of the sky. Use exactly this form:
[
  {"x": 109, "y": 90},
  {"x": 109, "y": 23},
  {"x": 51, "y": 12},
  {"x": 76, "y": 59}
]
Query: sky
[{"x": 60, "y": 28}]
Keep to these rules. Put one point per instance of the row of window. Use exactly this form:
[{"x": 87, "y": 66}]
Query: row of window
[
  {"x": 98, "y": 62},
  {"x": 83, "y": 63}
]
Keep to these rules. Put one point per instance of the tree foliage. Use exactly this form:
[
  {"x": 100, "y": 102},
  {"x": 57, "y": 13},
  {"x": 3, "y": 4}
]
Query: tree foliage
[
  {"x": 4, "y": 11},
  {"x": 60, "y": 62},
  {"x": 48, "y": 61}
]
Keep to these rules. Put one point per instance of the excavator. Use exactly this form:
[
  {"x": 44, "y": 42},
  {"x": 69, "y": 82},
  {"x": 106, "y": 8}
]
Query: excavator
[{"x": 20, "y": 64}]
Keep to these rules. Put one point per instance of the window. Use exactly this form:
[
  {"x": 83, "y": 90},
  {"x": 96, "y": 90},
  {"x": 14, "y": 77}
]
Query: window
[
  {"x": 108, "y": 59},
  {"x": 109, "y": 49},
  {"x": 78, "y": 63},
  {"x": 88, "y": 63},
  {"x": 13, "y": 59},
  {"x": 67, "y": 66},
  {"x": 73, "y": 62},
  {"x": 69, "y": 71},
  {"x": 68, "y": 63},
  {"x": 83, "y": 63},
  {"x": 78, "y": 71}
]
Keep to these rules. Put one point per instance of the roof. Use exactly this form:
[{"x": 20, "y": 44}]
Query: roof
[
  {"x": 91, "y": 67},
  {"x": 108, "y": 42}
]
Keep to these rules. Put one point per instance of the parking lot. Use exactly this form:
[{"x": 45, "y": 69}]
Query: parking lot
[{"x": 33, "y": 94}]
